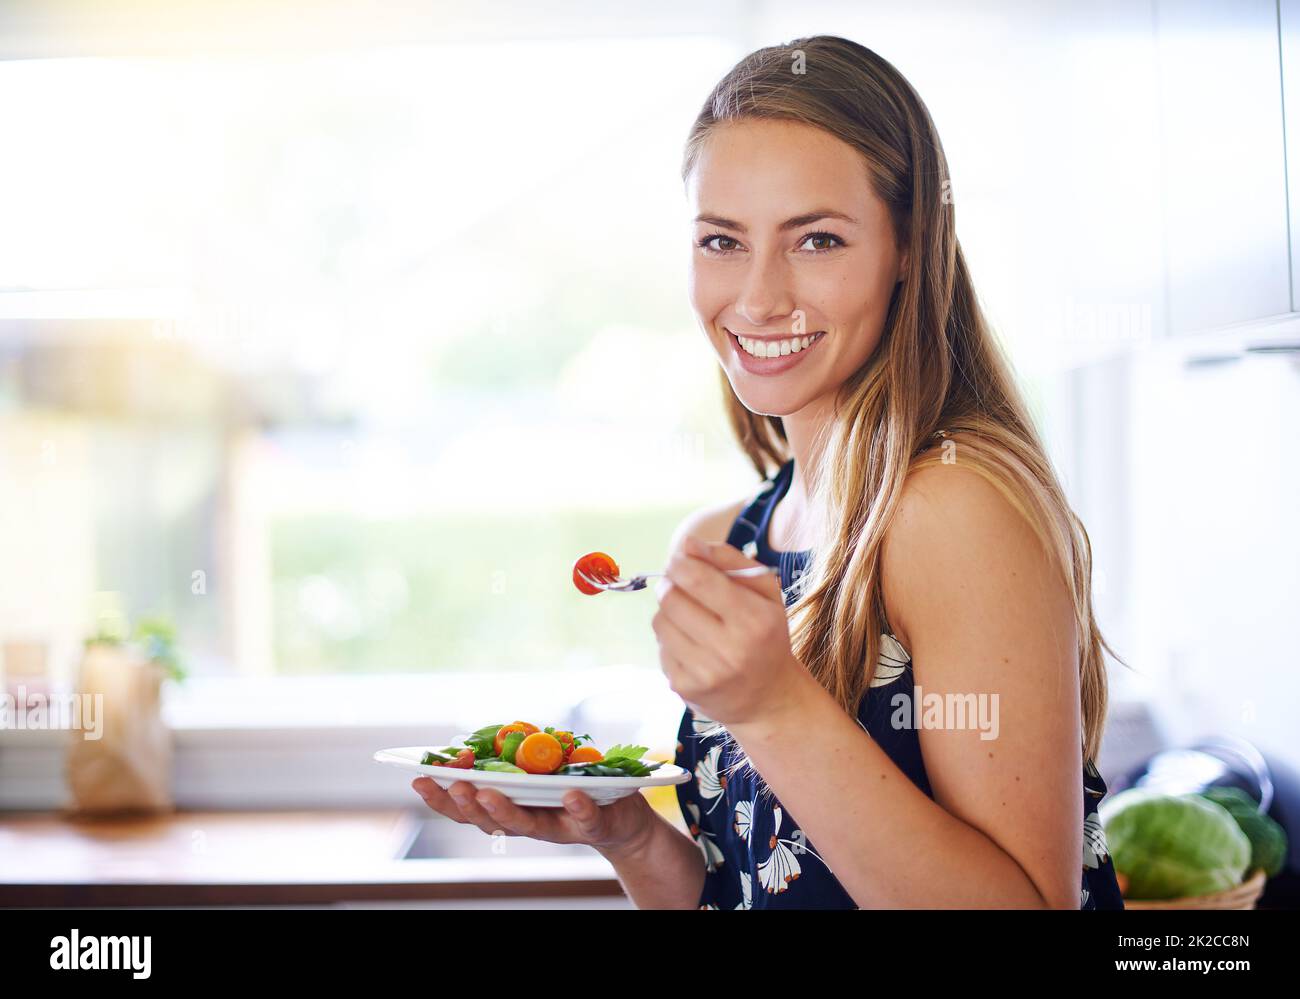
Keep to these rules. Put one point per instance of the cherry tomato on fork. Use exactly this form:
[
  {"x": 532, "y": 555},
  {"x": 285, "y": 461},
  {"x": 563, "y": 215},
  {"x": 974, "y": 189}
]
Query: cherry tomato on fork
[{"x": 598, "y": 566}]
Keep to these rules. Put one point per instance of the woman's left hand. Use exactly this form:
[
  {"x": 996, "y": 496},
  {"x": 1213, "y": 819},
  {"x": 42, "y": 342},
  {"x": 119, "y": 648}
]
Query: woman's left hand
[{"x": 724, "y": 641}]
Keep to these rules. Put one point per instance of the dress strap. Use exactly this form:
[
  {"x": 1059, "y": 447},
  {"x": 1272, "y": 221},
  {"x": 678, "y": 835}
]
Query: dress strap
[{"x": 752, "y": 520}]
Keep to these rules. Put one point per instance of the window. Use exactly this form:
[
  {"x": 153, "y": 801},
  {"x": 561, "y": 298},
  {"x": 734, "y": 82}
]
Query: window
[{"x": 340, "y": 370}]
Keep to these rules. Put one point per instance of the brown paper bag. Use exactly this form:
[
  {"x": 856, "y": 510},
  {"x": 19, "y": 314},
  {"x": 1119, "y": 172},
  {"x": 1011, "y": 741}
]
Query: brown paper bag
[{"x": 129, "y": 768}]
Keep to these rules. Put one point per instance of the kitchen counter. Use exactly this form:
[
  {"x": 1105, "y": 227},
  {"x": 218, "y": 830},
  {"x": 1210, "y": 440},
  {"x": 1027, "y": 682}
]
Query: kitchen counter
[{"x": 281, "y": 858}]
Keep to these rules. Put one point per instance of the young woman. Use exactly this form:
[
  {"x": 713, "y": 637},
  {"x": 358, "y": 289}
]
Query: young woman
[{"x": 908, "y": 717}]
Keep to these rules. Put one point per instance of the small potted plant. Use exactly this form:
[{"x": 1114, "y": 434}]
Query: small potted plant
[{"x": 126, "y": 765}]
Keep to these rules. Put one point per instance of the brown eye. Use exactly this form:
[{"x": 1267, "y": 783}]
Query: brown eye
[
  {"x": 825, "y": 240},
  {"x": 707, "y": 243}
]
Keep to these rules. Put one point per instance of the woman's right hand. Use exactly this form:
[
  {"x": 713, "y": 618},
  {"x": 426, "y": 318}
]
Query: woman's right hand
[{"x": 617, "y": 828}]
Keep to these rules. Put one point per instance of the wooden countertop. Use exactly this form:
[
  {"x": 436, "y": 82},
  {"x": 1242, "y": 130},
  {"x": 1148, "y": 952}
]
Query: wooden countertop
[{"x": 275, "y": 858}]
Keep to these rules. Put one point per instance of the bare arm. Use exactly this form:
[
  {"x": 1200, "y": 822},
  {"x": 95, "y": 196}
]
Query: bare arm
[{"x": 665, "y": 870}]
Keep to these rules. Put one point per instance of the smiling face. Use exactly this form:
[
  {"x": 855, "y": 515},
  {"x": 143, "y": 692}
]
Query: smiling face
[{"x": 793, "y": 256}]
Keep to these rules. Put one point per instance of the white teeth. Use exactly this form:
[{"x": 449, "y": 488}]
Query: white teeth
[{"x": 777, "y": 348}]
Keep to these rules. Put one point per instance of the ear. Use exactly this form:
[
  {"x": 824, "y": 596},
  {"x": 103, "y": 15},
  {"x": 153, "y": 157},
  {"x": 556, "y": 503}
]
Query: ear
[{"x": 902, "y": 267}]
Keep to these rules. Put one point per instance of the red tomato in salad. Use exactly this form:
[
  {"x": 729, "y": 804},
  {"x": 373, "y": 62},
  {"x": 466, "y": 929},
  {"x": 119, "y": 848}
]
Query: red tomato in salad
[
  {"x": 565, "y": 739},
  {"x": 464, "y": 760},
  {"x": 598, "y": 566}
]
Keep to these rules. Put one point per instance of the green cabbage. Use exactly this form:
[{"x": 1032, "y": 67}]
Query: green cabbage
[
  {"x": 1267, "y": 838},
  {"x": 1172, "y": 846}
]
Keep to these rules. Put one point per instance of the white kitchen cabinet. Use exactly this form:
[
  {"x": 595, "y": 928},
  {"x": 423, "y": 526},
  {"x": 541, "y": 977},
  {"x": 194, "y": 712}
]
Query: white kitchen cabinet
[
  {"x": 1289, "y": 42},
  {"x": 1224, "y": 171},
  {"x": 1214, "y": 576}
]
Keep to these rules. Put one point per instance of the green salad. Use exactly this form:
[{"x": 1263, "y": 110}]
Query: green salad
[{"x": 521, "y": 747}]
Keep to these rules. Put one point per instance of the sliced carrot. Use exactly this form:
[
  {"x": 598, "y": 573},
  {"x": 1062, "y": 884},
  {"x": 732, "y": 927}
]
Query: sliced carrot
[{"x": 539, "y": 753}]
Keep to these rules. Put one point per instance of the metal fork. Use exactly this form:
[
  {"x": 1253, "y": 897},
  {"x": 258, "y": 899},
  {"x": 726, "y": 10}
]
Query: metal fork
[{"x": 639, "y": 582}]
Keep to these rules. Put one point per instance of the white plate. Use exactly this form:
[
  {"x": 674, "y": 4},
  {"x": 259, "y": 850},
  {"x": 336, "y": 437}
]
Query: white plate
[{"x": 537, "y": 790}]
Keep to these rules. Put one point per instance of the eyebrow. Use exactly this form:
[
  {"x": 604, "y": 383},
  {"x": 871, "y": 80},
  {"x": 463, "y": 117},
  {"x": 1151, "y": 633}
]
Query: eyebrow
[{"x": 798, "y": 222}]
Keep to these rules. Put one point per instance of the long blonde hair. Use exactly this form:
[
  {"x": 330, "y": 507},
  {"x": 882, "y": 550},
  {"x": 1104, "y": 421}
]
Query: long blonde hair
[{"x": 937, "y": 376}]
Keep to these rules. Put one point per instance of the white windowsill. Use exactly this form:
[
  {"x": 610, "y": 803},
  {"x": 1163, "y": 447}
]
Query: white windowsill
[{"x": 307, "y": 742}]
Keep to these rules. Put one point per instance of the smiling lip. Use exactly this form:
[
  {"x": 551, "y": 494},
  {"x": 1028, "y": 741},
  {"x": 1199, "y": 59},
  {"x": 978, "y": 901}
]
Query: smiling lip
[{"x": 771, "y": 365}]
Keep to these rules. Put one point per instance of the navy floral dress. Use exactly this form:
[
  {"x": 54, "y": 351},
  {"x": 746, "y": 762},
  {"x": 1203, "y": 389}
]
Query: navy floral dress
[{"x": 755, "y": 855}]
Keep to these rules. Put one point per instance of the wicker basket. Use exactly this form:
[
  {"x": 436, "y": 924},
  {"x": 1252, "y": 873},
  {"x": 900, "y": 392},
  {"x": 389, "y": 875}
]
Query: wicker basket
[{"x": 1242, "y": 896}]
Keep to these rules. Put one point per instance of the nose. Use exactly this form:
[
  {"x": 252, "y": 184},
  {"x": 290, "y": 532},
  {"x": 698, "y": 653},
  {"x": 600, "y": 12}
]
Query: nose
[{"x": 765, "y": 291}]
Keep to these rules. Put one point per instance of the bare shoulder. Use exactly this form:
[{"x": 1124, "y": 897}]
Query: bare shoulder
[
  {"x": 710, "y": 523},
  {"x": 958, "y": 537},
  {"x": 948, "y": 496}
]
